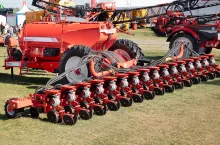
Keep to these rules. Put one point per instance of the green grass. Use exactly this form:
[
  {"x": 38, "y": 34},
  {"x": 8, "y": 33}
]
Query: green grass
[{"x": 189, "y": 116}]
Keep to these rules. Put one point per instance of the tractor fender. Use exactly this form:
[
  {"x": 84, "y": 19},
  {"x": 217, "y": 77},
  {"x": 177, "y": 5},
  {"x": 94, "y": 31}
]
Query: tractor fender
[{"x": 188, "y": 31}]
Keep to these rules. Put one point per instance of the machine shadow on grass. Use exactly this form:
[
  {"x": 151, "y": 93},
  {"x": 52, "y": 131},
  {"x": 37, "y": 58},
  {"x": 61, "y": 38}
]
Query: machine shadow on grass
[
  {"x": 214, "y": 82},
  {"x": 22, "y": 80}
]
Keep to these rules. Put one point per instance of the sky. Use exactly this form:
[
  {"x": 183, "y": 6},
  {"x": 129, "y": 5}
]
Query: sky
[{"x": 119, "y": 3}]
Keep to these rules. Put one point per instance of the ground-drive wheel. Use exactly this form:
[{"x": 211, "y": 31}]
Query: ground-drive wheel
[
  {"x": 14, "y": 113},
  {"x": 177, "y": 39},
  {"x": 127, "y": 49},
  {"x": 71, "y": 58}
]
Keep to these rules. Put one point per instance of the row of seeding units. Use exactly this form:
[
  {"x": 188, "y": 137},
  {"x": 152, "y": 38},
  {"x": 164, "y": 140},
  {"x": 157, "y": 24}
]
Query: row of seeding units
[
  {"x": 97, "y": 71},
  {"x": 119, "y": 87}
]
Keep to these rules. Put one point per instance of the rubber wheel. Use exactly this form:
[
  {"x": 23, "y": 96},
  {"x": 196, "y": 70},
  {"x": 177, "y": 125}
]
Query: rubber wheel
[
  {"x": 84, "y": 115},
  {"x": 77, "y": 51},
  {"x": 133, "y": 50},
  {"x": 125, "y": 102},
  {"x": 34, "y": 113},
  {"x": 53, "y": 116},
  {"x": 149, "y": 95},
  {"x": 70, "y": 119},
  {"x": 187, "y": 83},
  {"x": 159, "y": 91},
  {"x": 208, "y": 50},
  {"x": 169, "y": 89},
  {"x": 178, "y": 85},
  {"x": 217, "y": 73},
  {"x": 16, "y": 113},
  {"x": 211, "y": 76},
  {"x": 184, "y": 37},
  {"x": 204, "y": 78},
  {"x": 83, "y": 105},
  {"x": 98, "y": 110},
  {"x": 113, "y": 106},
  {"x": 137, "y": 98},
  {"x": 17, "y": 54},
  {"x": 195, "y": 80},
  {"x": 69, "y": 109}
]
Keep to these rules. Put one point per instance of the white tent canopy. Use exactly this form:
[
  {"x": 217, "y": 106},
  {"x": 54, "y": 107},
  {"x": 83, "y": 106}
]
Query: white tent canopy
[{"x": 20, "y": 15}]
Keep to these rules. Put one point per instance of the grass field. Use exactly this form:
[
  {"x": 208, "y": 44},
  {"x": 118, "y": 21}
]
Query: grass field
[{"x": 189, "y": 116}]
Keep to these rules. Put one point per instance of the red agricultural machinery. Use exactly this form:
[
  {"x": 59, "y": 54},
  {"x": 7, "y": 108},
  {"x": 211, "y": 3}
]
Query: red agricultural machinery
[
  {"x": 200, "y": 37},
  {"x": 97, "y": 73},
  {"x": 119, "y": 87}
]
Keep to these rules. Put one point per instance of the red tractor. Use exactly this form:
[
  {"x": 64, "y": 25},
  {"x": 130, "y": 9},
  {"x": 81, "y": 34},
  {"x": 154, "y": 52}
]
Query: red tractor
[{"x": 199, "y": 37}]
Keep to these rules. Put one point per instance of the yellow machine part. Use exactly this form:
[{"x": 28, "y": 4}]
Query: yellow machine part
[
  {"x": 35, "y": 16},
  {"x": 140, "y": 14}
]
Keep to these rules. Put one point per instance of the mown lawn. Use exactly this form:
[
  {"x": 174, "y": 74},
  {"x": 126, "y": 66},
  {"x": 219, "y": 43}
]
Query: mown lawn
[{"x": 189, "y": 116}]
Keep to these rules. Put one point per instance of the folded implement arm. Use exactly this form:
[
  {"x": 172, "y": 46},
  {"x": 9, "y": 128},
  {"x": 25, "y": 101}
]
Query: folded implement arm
[{"x": 105, "y": 12}]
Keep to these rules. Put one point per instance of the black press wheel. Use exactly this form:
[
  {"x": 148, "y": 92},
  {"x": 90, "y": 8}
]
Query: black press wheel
[
  {"x": 16, "y": 113},
  {"x": 178, "y": 85},
  {"x": 85, "y": 115},
  {"x": 187, "y": 83},
  {"x": 217, "y": 73},
  {"x": 204, "y": 78},
  {"x": 99, "y": 110},
  {"x": 89, "y": 110},
  {"x": 113, "y": 106},
  {"x": 70, "y": 119},
  {"x": 53, "y": 116},
  {"x": 149, "y": 95},
  {"x": 196, "y": 80},
  {"x": 34, "y": 113},
  {"x": 159, "y": 91},
  {"x": 169, "y": 88},
  {"x": 126, "y": 102},
  {"x": 211, "y": 76},
  {"x": 137, "y": 98}
]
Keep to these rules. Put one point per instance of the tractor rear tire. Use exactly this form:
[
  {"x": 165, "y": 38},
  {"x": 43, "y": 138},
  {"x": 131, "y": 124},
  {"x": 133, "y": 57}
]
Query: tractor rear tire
[
  {"x": 184, "y": 37},
  {"x": 74, "y": 54},
  {"x": 133, "y": 50}
]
